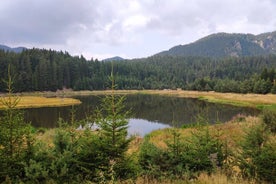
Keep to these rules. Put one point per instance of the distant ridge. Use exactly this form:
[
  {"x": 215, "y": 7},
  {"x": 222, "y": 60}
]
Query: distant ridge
[
  {"x": 116, "y": 58},
  {"x": 227, "y": 45},
  {"x": 9, "y": 49}
]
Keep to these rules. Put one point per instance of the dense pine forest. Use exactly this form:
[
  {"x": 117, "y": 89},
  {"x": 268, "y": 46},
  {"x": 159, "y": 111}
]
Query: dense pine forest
[{"x": 49, "y": 70}]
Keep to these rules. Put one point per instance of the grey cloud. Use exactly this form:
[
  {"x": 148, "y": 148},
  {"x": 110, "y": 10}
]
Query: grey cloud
[
  {"x": 175, "y": 17},
  {"x": 106, "y": 24},
  {"x": 263, "y": 13},
  {"x": 49, "y": 21}
]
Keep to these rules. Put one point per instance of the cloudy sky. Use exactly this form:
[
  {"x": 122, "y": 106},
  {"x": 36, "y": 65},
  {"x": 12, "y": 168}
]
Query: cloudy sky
[{"x": 127, "y": 28}]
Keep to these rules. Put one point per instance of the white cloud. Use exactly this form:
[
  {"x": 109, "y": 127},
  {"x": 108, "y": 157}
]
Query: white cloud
[{"x": 134, "y": 22}]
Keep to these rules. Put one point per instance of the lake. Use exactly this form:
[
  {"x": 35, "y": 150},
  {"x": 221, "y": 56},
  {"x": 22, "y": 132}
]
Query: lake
[{"x": 149, "y": 112}]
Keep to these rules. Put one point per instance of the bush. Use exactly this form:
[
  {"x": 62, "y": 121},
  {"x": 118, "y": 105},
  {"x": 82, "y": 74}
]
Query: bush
[
  {"x": 258, "y": 156},
  {"x": 184, "y": 158},
  {"x": 150, "y": 159},
  {"x": 269, "y": 119},
  {"x": 204, "y": 151}
]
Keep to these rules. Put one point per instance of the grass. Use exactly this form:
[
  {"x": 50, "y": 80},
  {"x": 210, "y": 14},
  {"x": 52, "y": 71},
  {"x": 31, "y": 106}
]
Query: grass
[
  {"x": 39, "y": 101},
  {"x": 204, "y": 178},
  {"x": 231, "y": 132},
  {"x": 246, "y": 100}
]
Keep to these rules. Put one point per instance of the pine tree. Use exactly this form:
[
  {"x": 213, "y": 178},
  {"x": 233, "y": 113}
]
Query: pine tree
[
  {"x": 15, "y": 138},
  {"x": 112, "y": 120},
  {"x": 113, "y": 124},
  {"x": 258, "y": 154}
]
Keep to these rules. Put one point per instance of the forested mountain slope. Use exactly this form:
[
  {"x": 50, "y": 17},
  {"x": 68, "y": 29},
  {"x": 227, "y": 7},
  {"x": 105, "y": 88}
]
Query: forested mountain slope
[
  {"x": 16, "y": 49},
  {"x": 43, "y": 70},
  {"x": 227, "y": 45},
  {"x": 116, "y": 58}
]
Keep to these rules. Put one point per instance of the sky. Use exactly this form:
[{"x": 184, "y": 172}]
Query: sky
[{"x": 127, "y": 28}]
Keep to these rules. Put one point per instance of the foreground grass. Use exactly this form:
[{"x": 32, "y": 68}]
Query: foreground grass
[
  {"x": 39, "y": 101},
  {"x": 204, "y": 178}
]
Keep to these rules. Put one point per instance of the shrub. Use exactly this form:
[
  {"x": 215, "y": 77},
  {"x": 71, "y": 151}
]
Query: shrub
[
  {"x": 203, "y": 151},
  {"x": 184, "y": 158},
  {"x": 150, "y": 159},
  {"x": 258, "y": 156},
  {"x": 269, "y": 119}
]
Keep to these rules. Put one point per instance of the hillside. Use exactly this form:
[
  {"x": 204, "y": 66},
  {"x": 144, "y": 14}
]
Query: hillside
[
  {"x": 224, "y": 45},
  {"x": 116, "y": 58},
  {"x": 16, "y": 49},
  {"x": 49, "y": 70}
]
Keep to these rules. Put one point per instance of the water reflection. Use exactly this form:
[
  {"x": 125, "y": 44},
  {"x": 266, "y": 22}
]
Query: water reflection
[
  {"x": 168, "y": 111},
  {"x": 142, "y": 127},
  {"x": 177, "y": 111}
]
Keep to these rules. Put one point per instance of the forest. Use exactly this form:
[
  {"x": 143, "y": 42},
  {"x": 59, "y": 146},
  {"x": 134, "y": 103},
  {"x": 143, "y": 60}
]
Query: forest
[{"x": 49, "y": 70}]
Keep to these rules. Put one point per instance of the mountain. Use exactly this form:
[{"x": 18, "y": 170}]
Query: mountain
[
  {"x": 116, "y": 58},
  {"x": 225, "y": 45},
  {"x": 16, "y": 49}
]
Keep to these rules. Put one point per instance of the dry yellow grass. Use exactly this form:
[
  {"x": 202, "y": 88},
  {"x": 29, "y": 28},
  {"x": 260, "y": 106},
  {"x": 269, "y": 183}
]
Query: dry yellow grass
[
  {"x": 46, "y": 137},
  {"x": 251, "y": 100},
  {"x": 134, "y": 145},
  {"x": 203, "y": 178},
  {"x": 220, "y": 178},
  {"x": 36, "y": 101},
  {"x": 231, "y": 132},
  {"x": 159, "y": 137}
]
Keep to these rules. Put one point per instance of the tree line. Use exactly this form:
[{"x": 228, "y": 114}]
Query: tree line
[{"x": 49, "y": 70}]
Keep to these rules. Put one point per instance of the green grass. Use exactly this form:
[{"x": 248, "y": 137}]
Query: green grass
[
  {"x": 226, "y": 102},
  {"x": 269, "y": 107}
]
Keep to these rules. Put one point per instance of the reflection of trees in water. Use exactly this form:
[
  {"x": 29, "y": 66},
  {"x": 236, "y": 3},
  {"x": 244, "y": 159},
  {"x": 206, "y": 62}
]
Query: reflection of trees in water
[
  {"x": 181, "y": 110},
  {"x": 149, "y": 107},
  {"x": 46, "y": 116}
]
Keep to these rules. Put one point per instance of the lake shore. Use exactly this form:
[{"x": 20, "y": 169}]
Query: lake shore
[
  {"x": 236, "y": 99},
  {"x": 37, "y": 101},
  {"x": 245, "y": 100}
]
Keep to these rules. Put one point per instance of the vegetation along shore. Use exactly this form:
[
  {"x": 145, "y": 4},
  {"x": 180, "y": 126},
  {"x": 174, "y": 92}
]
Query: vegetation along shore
[{"x": 247, "y": 100}]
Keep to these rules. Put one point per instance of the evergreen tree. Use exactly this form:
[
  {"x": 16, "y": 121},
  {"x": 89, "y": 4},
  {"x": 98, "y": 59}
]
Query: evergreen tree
[
  {"x": 258, "y": 154},
  {"x": 113, "y": 124},
  {"x": 15, "y": 138}
]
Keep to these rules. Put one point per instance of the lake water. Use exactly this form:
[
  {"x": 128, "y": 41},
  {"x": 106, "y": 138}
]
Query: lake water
[{"x": 149, "y": 112}]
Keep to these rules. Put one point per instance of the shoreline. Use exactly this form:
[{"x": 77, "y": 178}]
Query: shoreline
[
  {"x": 25, "y": 102},
  {"x": 245, "y": 100}
]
